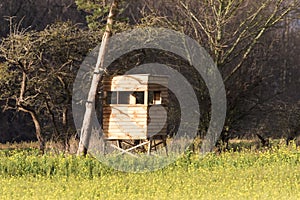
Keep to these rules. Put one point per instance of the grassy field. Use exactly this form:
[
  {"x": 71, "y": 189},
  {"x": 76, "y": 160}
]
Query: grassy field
[{"x": 266, "y": 174}]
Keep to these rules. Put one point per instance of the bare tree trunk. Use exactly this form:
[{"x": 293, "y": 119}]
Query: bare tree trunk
[
  {"x": 34, "y": 117},
  {"x": 86, "y": 125},
  {"x": 38, "y": 130},
  {"x": 65, "y": 132},
  {"x": 65, "y": 129}
]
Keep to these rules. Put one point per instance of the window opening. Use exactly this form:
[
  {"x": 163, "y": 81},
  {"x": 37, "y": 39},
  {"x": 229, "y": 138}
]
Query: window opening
[
  {"x": 137, "y": 97},
  {"x": 125, "y": 97},
  {"x": 154, "y": 97},
  {"x": 111, "y": 97}
]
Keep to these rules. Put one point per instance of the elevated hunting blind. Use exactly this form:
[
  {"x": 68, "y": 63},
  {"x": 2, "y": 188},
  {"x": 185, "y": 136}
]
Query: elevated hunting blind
[{"x": 135, "y": 112}]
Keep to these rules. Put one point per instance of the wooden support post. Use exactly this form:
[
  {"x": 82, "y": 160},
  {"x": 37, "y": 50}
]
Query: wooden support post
[
  {"x": 119, "y": 143},
  {"x": 123, "y": 151},
  {"x": 149, "y": 146},
  {"x": 165, "y": 144},
  {"x": 104, "y": 147}
]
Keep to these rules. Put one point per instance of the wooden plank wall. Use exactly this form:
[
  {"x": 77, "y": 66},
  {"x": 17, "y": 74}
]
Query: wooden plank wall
[
  {"x": 126, "y": 83},
  {"x": 127, "y": 121},
  {"x": 156, "y": 121}
]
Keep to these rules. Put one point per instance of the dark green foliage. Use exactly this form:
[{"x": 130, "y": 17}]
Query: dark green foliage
[{"x": 97, "y": 12}]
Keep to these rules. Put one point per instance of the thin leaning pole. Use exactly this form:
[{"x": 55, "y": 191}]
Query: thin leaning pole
[{"x": 85, "y": 133}]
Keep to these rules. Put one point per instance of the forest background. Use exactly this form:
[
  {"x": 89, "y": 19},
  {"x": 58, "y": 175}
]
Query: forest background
[{"x": 256, "y": 46}]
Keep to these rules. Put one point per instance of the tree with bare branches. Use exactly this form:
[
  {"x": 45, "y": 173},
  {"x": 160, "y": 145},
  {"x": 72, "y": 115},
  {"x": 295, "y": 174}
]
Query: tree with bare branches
[{"x": 37, "y": 72}]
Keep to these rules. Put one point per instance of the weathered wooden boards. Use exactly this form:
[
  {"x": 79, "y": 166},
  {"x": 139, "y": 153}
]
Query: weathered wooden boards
[{"x": 134, "y": 106}]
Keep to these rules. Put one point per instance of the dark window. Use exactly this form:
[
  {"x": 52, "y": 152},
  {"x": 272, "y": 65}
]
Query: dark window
[
  {"x": 154, "y": 97},
  {"x": 112, "y": 97},
  {"x": 139, "y": 97},
  {"x": 125, "y": 97}
]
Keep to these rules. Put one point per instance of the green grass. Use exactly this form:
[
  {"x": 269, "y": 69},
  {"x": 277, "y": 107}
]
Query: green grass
[{"x": 267, "y": 174}]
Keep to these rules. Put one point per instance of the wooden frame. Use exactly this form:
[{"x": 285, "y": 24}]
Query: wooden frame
[{"x": 128, "y": 101}]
